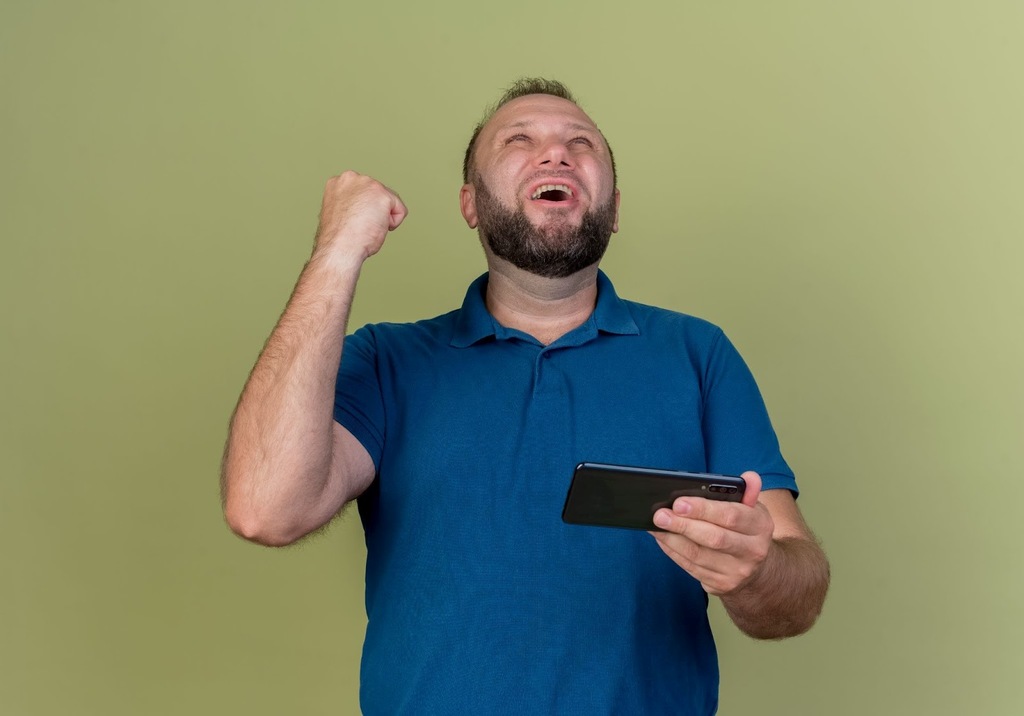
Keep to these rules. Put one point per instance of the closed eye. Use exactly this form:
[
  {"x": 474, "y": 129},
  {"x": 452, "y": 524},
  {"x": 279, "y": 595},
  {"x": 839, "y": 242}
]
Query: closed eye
[
  {"x": 581, "y": 140},
  {"x": 517, "y": 138}
]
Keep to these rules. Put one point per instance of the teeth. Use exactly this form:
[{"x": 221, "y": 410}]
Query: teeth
[{"x": 551, "y": 187}]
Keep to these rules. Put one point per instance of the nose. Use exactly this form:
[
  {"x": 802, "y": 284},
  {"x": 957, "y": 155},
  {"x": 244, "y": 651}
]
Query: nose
[{"x": 554, "y": 154}]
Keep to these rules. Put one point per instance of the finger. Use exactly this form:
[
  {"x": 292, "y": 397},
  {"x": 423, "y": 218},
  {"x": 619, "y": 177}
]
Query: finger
[
  {"x": 689, "y": 557},
  {"x": 703, "y": 533},
  {"x": 732, "y": 516},
  {"x": 679, "y": 550},
  {"x": 398, "y": 213},
  {"x": 753, "y": 481},
  {"x": 717, "y": 573}
]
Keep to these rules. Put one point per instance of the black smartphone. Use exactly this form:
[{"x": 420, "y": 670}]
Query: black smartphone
[{"x": 622, "y": 496}]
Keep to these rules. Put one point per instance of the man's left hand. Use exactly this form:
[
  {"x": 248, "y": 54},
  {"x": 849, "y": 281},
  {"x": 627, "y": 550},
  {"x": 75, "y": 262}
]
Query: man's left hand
[{"x": 721, "y": 544}]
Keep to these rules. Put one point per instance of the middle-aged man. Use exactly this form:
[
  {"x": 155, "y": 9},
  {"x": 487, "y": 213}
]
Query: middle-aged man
[{"x": 459, "y": 435}]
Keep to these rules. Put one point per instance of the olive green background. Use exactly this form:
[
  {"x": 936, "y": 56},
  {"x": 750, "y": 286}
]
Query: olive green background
[{"x": 839, "y": 185}]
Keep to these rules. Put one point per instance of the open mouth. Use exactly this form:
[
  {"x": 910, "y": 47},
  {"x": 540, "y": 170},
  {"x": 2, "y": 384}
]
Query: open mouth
[{"x": 552, "y": 192}]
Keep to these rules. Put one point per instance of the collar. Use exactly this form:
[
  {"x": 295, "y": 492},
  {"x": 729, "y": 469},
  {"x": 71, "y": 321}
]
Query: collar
[{"x": 475, "y": 323}]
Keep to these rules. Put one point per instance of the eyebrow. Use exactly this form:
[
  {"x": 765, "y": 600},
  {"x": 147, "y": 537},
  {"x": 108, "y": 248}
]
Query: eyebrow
[{"x": 526, "y": 123}]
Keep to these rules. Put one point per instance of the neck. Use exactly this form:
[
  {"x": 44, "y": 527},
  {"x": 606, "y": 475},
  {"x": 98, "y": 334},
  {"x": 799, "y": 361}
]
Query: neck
[{"x": 545, "y": 308}]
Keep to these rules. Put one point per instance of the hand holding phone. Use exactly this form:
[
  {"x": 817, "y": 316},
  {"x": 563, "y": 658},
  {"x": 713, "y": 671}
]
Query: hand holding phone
[{"x": 606, "y": 495}]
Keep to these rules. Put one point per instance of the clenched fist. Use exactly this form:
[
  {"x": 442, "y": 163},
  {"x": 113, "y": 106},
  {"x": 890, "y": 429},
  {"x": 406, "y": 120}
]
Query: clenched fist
[{"x": 357, "y": 213}]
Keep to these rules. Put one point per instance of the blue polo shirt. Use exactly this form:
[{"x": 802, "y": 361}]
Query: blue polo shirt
[{"x": 479, "y": 598}]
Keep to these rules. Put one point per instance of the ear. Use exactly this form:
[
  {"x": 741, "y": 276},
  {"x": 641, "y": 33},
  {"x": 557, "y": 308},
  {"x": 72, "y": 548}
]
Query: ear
[
  {"x": 467, "y": 203},
  {"x": 615, "y": 225}
]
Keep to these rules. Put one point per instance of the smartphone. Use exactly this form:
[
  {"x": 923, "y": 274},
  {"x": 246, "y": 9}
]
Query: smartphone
[{"x": 622, "y": 496}]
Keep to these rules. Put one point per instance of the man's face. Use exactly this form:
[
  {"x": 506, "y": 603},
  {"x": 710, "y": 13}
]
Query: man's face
[{"x": 541, "y": 189}]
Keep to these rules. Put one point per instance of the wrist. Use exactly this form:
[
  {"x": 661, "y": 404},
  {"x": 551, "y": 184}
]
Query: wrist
[{"x": 348, "y": 261}]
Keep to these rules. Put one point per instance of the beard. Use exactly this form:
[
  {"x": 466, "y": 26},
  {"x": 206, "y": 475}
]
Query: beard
[{"x": 556, "y": 250}]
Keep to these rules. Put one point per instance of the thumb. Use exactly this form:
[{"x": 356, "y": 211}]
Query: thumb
[
  {"x": 753, "y": 481},
  {"x": 397, "y": 214}
]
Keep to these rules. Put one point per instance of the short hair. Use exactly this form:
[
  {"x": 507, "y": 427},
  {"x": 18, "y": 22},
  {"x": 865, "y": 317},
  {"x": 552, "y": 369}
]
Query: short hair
[{"x": 521, "y": 88}]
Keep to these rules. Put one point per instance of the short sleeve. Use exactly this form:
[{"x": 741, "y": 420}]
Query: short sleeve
[
  {"x": 358, "y": 401},
  {"x": 738, "y": 434}
]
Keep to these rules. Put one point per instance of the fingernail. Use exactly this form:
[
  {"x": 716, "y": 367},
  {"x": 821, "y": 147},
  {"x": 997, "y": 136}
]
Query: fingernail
[
  {"x": 662, "y": 519},
  {"x": 681, "y": 507}
]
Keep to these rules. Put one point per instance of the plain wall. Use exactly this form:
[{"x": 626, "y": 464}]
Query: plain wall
[{"x": 838, "y": 185}]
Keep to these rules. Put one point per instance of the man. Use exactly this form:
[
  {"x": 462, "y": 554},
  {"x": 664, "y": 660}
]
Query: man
[{"x": 459, "y": 434}]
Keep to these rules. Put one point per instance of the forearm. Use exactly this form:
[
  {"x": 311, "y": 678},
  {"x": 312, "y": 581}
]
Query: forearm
[
  {"x": 785, "y": 596},
  {"x": 278, "y": 457}
]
